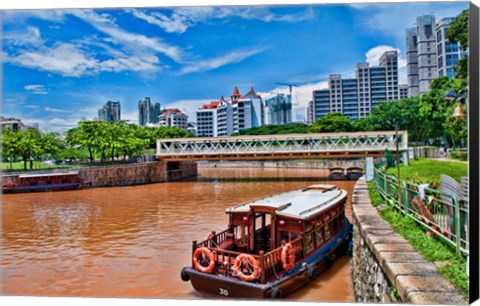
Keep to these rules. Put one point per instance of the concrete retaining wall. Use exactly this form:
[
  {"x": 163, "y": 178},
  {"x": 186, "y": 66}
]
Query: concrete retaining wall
[
  {"x": 136, "y": 174},
  {"x": 301, "y": 164},
  {"x": 386, "y": 268}
]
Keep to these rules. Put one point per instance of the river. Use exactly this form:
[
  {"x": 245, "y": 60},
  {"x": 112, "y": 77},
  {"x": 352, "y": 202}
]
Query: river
[{"x": 133, "y": 241}]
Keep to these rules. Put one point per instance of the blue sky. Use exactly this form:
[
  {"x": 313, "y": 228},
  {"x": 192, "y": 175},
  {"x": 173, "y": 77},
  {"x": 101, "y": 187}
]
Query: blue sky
[{"x": 62, "y": 65}]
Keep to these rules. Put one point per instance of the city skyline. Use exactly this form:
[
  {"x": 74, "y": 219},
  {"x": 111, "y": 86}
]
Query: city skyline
[{"x": 62, "y": 65}]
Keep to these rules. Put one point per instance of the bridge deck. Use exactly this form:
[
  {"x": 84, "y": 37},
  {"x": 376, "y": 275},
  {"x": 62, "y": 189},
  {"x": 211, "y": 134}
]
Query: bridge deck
[{"x": 292, "y": 146}]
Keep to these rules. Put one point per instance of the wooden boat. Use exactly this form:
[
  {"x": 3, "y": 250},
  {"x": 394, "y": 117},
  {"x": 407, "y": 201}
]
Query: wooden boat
[
  {"x": 42, "y": 182},
  {"x": 354, "y": 173},
  {"x": 337, "y": 174},
  {"x": 273, "y": 245}
]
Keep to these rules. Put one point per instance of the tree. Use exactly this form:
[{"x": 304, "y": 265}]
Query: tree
[
  {"x": 9, "y": 146},
  {"x": 29, "y": 145},
  {"x": 332, "y": 122},
  {"x": 51, "y": 144},
  {"x": 458, "y": 33}
]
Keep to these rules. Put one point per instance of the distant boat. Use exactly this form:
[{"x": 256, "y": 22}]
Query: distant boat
[
  {"x": 354, "y": 173},
  {"x": 42, "y": 182},
  {"x": 272, "y": 246},
  {"x": 337, "y": 174}
]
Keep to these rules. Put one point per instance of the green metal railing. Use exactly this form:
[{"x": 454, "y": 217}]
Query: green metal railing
[{"x": 440, "y": 212}]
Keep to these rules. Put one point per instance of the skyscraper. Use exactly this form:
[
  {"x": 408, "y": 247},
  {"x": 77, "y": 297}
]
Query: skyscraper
[
  {"x": 448, "y": 54},
  {"x": 148, "y": 112},
  {"x": 110, "y": 112},
  {"x": 278, "y": 109},
  {"x": 355, "y": 97},
  {"x": 426, "y": 52},
  {"x": 412, "y": 62}
]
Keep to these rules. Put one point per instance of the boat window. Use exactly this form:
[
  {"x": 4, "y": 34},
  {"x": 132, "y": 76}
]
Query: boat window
[
  {"x": 288, "y": 236},
  {"x": 319, "y": 237},
  {"x": 326, "y": 230},
  {"x": 259, "y": 221},
  {"x": 335, "y": 224},
  {"x": 41, "y": 182},
  {"x": 33, "y": 183},
  {"x": 49, "y": 182},
  {"x": 309, "y": 243}
]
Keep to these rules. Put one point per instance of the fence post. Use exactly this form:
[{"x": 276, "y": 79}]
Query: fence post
[{"x": 457, "y": 225}]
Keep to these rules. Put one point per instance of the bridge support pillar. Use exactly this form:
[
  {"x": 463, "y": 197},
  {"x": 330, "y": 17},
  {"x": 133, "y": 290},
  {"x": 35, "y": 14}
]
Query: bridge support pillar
[{"x": 369, "y": 166}]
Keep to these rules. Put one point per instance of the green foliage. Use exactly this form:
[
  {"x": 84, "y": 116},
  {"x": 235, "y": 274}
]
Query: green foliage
[
  {"x": 428, "y": 171},
  {"x": 432, "y": 249},
  {"x": 293, "y": 128},
  {"x": 461, "y": 155},
  {"x": 332, "y": 122},
  {"x": 458, "y": 33}
]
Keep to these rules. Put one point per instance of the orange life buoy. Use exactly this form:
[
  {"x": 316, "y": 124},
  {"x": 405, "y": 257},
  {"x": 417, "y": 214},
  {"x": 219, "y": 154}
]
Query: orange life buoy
[
  {"x": 288, "y": 256},
  {"x": 206, "y": 256},
  {"x": 249, "y": 260}
]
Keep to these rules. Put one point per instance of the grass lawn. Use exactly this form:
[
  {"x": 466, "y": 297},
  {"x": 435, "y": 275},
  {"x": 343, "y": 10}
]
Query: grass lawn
[
  {"x": 451, "y": 266},
  {"x": 428, "y": 170},
  {"x": 37, "y": 165}
]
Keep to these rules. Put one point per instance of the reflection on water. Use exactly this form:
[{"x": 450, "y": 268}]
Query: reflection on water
[{"x": 133, "y": 241}]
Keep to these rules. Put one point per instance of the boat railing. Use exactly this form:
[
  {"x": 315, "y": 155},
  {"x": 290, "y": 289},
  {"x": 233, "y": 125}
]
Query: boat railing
[
  {"x": 272, "y": 261},
  {"x": 270, "y": 264}
]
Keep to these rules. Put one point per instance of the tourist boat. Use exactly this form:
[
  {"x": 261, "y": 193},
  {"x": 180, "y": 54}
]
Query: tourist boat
[
  {"x": 273, "y": 245},
  {"x": 354, "y": 173},
  {"x": 337, "y": 174},
  {"x": 42, "y": 182}
]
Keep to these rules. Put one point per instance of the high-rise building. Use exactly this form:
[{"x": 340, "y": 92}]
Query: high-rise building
[
  {"x": 172, "y": 117},
  {"x": 215, "y": 119},
  {"x": 448, "y": 53},
  {"x": 355, "y": 97},
  {"x": 412, "y": 62},
  {"x": 110, "y": 112},
  {"x": 247, "y": 109},
  {"x": 278, "y": 109},
  {"x": 310, "y": 113},
  {"x": 402, "y": 91},
  {"x": 426, "y": 52},
  {"x": 148, "y": 112},
  {"x": 389, "y": 60},
  {"x": 429, "y": 53}
]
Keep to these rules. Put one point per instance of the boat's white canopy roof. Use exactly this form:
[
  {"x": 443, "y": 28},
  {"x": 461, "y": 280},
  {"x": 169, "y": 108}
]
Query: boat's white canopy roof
[
  {"x": 49, "y": 174},
  {"x": 299, "y": 204}
]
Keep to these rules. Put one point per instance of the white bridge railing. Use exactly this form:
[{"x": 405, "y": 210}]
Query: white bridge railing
[{"x": 358, "y": 143}]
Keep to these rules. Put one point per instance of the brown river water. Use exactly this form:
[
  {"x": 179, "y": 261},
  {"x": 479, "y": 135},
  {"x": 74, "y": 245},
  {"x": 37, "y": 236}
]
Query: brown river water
[{"x": 133, "y": 241}]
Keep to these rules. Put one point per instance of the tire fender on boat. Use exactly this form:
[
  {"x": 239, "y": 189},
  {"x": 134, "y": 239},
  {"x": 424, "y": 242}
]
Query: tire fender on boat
[
  {"x": 288, "y": 256},
  {"x": 311, "y": 271},
  {"x": 184, "y": 276},
  {"x": 205, "y": 252},
  {"x": 251, "y": 260},
  {"x": 276, "y": 293}
]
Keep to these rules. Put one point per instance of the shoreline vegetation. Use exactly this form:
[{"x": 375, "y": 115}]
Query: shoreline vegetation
[{"x": 426, "y": 171}]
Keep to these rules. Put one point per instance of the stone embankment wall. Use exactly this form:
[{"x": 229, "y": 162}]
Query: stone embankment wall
[
  {"x": 135, "y": 174},
  {"x": 301, "y": 164},
  {"x": 386, "y": 268}
]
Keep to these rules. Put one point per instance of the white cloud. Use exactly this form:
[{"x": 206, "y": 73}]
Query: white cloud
[
  {"x": 183, "y": 18},
  {"x": 62, "y": 58},
  {"x": 216, "y": 62},
  {"x": 131, "y": 41},
  {"x": 36, "y": 89},
  {"x": 30, "y": 36},
  {"x": 55, "y": 110}
]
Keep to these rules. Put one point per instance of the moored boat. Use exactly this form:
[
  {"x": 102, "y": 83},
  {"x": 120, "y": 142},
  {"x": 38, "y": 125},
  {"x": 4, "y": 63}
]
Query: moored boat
[
  {"x": 354, "y": 173},
  {"x": 42, "y": 182},
  {"x": 337, "y": 174},
  {"x": 273, "y": 245}
]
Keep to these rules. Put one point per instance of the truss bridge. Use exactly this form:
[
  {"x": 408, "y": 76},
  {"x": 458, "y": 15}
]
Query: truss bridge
[{"x": 292, "y": 146}]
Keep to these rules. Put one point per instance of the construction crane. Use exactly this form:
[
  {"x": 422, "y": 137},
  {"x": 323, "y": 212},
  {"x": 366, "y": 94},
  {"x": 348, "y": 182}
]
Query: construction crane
[{"x": 291, "y": 100}]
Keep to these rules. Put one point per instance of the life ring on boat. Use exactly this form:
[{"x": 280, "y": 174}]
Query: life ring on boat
[
  {"x": 10, "y": 184},
  {"x": 203, "y": 253},
  {"x": 288, "y": 256},
  {"x": 250, "y": 260}
]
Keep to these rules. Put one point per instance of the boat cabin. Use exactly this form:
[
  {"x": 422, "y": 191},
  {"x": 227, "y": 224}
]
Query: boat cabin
[
  {"x": 306, "y": 219},
  {"x": 43, "y": 182}
]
